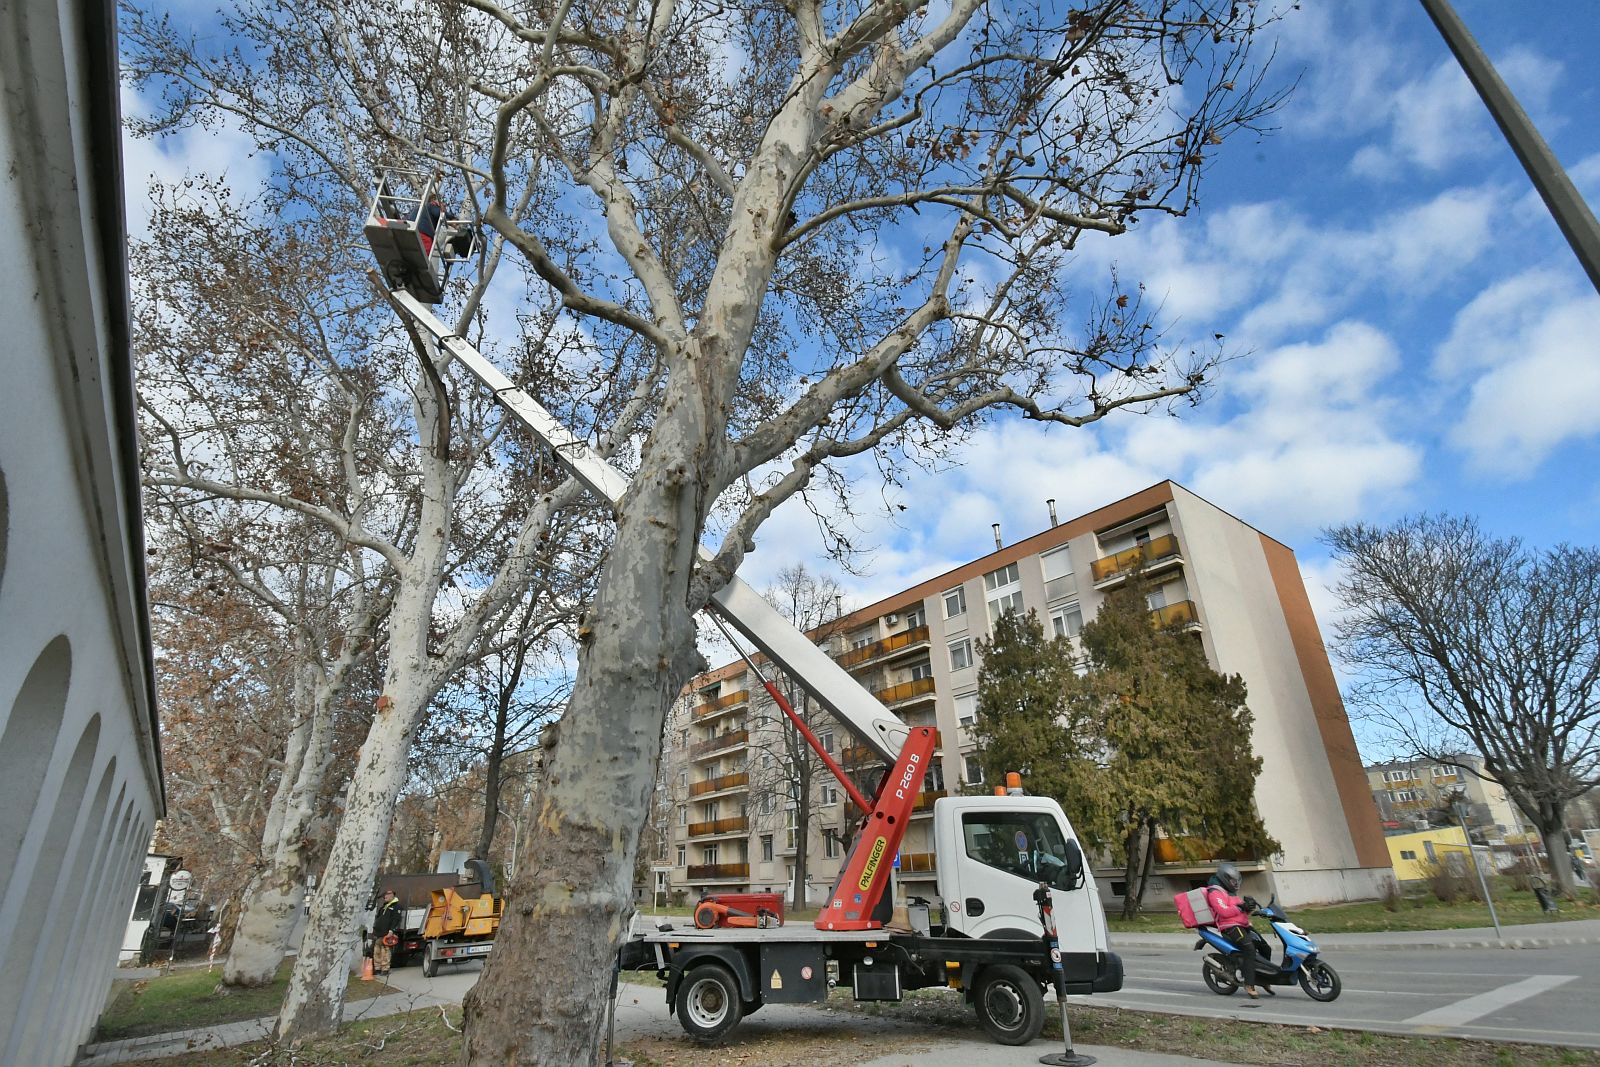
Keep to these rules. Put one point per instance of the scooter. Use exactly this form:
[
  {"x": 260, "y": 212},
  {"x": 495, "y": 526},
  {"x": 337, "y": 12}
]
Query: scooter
[{"x": 1299, "y": 963}]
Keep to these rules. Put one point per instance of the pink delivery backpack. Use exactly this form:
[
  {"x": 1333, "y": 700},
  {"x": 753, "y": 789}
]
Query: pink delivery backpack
[{"x": 1193, "y": 908}]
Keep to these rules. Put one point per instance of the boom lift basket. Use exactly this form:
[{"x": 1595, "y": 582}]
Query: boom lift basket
[{"x": 407, "y": 257}]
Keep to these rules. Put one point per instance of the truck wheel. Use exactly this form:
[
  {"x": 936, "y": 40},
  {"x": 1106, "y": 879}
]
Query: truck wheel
[
  {"x": 1009, "y": 1003},
  {"x": 430, "y": 962},
  {"x": 708, "y": 1002}
]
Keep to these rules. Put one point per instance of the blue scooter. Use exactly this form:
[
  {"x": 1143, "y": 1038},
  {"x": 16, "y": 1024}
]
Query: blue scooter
[{"x": 1299, "y": 962}]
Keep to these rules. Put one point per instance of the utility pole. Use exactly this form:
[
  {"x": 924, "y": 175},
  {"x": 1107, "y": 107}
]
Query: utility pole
[
  {"x": 1572, "y": 215},
  {"x": 1472, "y": 854}
]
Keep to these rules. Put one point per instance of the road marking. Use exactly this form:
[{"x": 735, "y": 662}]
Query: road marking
[{"x": 1464, "y": 1011}]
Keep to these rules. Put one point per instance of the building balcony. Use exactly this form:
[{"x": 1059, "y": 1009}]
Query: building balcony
[
  {"x": 858, "y": 755},
  {"x": 1181, "y": 615},
  {"x": 925, "y": 799},
  {"x": 737, "y": 824},
  {"x": 917, "y": 688},
  {"x": 1188, "y": 851},
  {"x": 917, "y": 863},
  {"x": 1161, "y": 553},
  {"x": 737, "y": 780},
  {"x": 906, "y": 641},
  {"x": 724, "y": 704},
  {"x": 711, "y": 872},
  {"x": 719, "y": 744}
]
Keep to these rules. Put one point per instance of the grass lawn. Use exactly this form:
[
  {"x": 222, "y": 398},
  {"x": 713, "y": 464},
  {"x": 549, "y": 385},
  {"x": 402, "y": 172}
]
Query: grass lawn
[
  {"x": 189, "y": 998},
  {"x": 428, "y": 1038},
  {"x": 1414, "y": 913}
]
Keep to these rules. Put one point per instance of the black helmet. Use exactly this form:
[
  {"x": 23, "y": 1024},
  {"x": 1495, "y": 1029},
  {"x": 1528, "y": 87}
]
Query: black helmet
[{"x": 1228, "y": 876}]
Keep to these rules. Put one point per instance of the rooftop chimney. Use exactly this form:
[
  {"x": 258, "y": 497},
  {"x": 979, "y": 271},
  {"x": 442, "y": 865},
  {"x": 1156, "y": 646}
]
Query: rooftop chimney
[
  {"x": 998, "y": 544},
  {"x": 1051, "y": 504}
]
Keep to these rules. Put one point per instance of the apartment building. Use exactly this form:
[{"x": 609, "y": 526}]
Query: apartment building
[
  {"x": 1237, "y": 589},
  {"x": 1407, "y": 792}
]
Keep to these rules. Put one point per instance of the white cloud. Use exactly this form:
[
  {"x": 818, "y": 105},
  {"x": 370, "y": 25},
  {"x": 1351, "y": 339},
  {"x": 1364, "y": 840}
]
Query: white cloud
[
  {"x": 1521, "y": 356},
  {"x": 1437, "y": 120}
]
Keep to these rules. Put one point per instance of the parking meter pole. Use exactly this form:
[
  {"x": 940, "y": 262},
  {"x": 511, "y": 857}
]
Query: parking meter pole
[
  {"x": 1483, "y": 883},
  {"x": 1052, "y": 944}
]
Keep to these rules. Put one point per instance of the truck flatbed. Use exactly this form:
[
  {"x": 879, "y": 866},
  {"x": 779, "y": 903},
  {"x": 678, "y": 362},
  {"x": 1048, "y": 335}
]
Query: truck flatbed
[{"x": 792, "y": 932}]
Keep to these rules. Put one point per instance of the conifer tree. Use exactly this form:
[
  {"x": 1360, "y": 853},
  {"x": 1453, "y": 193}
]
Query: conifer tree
[{"x": 1149, "y": 740}]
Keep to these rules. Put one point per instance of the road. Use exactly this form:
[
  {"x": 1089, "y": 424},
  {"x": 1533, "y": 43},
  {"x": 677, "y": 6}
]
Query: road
[{"x": 1534, "y": 995}]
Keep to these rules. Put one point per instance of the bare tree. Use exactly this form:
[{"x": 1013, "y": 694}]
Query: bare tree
[
  {"x": 269, "y": 395},
  {"x": 794, "y": 236},
  {"x": 787, "y": 779},
  {"x": 1467, "y": 640},
  {"x": 739, "y": 200}
]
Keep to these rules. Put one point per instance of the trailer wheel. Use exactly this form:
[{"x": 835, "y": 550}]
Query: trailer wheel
[
  {"x": 430, "y": 961},
  {"x": 1009, "y": 1003},
  {"x": 708, "y": 1002}
]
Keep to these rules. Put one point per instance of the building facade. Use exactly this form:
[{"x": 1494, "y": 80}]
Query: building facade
[
  {"x": 1411, "y": 794},
  {"x": 1237, "y": 589},
  {"x": 80, "y": 771}
]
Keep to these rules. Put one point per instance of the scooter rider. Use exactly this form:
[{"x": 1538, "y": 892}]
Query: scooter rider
[{"x": 1232, "y": 915}]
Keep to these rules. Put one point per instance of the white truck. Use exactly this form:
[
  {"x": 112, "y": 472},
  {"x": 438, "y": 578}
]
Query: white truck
[
  {"x": 1001, "y": 860},
  {"x": 992, "y": 853}
]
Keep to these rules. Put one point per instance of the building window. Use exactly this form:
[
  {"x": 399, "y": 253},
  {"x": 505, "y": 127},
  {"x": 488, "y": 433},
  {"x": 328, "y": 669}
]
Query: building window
[
  {"x": 974, "y": 768},
  {"x": 766, "y": 848},
  {"x": 1058, "y": 581},
  {"x": 914, "y": 619},
  {"x": 830, "y": 846},
  {"x": 825, "y": 739},
  {"x": 967, "y": 709},
  {"x": 683, "y": 855},
  {"x": 1407, "y": 854},
  {"x": 710, "y": 855},
  {"x": 1002, "y": 577},
  {"x": 769, "y": 804},
  {"x": 861, "y": 640},
  {"x": 1067, "y": 621},
  {"x": 961, "y": 654},
  {"x": 955, "y": 602},
  {"x": 1004, "y": 591},
  {"x": 933, "y": 781},
  {"x": 921, "y": 670},
  {"x": 830, "y": 795},
  {"x": 683, "y": 815},
  {"x": 1156, "y": 599},
  {"x": 683, "y": 779}
]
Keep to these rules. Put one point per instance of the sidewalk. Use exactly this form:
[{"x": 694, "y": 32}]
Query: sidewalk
[{"x": 1528, "y": 935}]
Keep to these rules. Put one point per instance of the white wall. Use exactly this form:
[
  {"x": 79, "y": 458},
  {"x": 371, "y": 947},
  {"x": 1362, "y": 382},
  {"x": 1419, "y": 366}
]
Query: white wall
[
  {"x": 1245, "y": 633},
  {"x": 79, "y": 767}
]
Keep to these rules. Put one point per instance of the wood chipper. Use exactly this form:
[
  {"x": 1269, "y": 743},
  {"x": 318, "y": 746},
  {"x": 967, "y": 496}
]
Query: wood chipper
[{"x": 462, "y": 919}]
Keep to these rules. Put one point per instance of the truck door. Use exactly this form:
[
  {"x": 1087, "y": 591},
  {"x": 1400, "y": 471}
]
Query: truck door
[{"x": 997, "y": 855}]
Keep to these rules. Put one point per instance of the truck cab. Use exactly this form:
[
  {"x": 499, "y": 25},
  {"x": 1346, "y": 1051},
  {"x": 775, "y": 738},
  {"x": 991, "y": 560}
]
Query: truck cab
[{"x": 993, "y": 852}]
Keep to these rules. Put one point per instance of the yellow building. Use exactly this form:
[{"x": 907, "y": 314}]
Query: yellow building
[{"x": 1413, "y": 855}]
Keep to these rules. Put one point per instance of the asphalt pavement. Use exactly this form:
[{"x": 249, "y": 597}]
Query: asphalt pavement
[{"x": 1536, "y": 995}]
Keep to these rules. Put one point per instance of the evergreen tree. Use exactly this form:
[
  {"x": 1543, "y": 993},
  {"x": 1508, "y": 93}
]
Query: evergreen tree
[
  {"x": 1149, "y": 740},
  {"x": 1176, "y": 738},
  {"x": 1025, "y": 724}
]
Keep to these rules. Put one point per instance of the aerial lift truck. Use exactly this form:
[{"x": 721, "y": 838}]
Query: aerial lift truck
[{"x": 993, "y": 853}]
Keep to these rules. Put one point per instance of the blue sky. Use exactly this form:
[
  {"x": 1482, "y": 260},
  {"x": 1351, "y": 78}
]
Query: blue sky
[{"x": 1414, "y": 333}]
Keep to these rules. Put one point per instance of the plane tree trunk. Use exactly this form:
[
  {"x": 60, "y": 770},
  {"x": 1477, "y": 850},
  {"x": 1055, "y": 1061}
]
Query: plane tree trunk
[{"x": 572, "y": 895}]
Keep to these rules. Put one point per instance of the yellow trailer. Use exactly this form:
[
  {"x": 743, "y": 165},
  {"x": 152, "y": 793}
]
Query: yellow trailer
[{"x": 458, "y": 928}]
